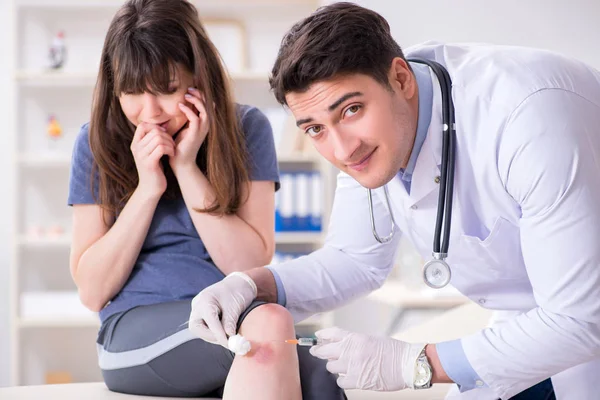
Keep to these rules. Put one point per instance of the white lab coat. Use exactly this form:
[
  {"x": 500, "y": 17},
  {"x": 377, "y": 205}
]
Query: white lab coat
[{"x": 525, "y": 233}]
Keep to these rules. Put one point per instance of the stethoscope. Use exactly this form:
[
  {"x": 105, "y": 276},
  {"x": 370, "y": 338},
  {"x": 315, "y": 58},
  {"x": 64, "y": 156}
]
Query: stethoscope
[{"x": 436, "y": 272}]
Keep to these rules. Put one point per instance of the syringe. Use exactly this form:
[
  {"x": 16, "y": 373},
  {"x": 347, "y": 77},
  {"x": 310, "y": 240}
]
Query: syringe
[{"x": 304, "y": 341}]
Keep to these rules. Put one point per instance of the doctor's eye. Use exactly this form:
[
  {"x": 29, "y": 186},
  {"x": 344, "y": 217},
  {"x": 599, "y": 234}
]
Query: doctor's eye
[
  {"x": 353, "y": 109},
  {"x": 314, "y": 131}
]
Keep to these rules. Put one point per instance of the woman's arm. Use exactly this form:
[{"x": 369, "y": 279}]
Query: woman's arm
[
  {"x": 235, "y": 242},
  {"x": 102, "y": 257}
]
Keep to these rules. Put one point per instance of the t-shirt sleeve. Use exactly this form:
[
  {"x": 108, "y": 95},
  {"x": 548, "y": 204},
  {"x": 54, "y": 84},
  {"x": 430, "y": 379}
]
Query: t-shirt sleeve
[
  {"x": 261, "y": 146},
  {"x": 81, "y": 190}
]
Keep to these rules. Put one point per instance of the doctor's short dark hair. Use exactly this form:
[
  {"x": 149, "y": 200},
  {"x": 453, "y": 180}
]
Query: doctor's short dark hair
[{"x": 338, "y": 39}]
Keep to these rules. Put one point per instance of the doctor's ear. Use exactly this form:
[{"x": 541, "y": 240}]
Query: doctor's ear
[{"x": 401, "y": 78}]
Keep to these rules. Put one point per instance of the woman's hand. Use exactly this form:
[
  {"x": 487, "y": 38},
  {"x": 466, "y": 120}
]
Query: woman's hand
[
  {"x": 189, "y": 140},
  {"x": 151, "y": 142}
]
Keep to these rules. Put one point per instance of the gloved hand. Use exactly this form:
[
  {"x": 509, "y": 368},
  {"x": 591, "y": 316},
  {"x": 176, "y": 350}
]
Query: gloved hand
[
  {"x": 217, "y": 308},
  {"x": 367, "y": 362}
]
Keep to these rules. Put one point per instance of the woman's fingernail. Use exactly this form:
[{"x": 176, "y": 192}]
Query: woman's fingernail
[
  {"x": 188, "y": 96},
  {"x": 181, "y": 105},
  {"x": 192, "y": 90}
]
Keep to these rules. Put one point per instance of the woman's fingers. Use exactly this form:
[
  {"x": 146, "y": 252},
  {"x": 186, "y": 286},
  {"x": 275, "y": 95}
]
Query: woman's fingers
[
  {"x": 161, "y": 150},
  {"x": 152, "y": 140},
  {"x": 140, "y": 132}
]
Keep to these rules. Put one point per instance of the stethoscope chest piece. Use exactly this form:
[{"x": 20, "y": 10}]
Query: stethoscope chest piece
[{"x": 436, "y": 273}]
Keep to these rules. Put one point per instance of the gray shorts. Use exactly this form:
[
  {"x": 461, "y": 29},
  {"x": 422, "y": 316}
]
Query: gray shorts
[{"x": 149, "y": 351}]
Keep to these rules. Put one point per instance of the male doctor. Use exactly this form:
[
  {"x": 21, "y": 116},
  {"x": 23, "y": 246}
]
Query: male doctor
[{"x": 525, "y": 227}]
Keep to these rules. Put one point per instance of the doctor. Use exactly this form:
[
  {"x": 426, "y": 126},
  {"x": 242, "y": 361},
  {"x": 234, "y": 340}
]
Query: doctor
[{"x": 523, "y": 196}]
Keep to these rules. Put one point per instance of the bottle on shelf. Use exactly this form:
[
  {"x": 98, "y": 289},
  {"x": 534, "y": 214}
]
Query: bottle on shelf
[{"x": 57, "y": 54}]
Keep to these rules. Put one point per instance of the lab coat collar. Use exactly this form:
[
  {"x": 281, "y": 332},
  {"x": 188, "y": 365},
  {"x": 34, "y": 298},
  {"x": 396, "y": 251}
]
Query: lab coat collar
[{"x": 428, "y": 164}]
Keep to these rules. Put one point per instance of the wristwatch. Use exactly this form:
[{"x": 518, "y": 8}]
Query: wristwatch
[{"x": 423, "y": 372}]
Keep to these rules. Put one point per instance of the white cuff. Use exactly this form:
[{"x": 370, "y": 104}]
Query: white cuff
[
  {"x": 409, "y": 363},
  {"x": 247, "y": 279}
]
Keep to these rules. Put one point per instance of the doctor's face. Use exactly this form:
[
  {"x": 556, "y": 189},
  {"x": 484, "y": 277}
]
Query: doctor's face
[{"x": 359, "y": 125}]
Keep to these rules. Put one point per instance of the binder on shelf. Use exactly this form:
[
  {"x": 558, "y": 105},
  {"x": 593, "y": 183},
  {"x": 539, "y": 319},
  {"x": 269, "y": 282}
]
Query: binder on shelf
[
  {"x": 299, "y": 202},
  {"x": 284, "y": 214},
  {"x": 302, "y": 198},
  {"x": 316, "y": 202}
]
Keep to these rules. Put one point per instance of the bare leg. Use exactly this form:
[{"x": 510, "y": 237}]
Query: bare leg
[{"x": 270, "y": 370}]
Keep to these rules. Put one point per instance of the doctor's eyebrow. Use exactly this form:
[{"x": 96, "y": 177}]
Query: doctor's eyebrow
[{"x": 332, "y": 107}]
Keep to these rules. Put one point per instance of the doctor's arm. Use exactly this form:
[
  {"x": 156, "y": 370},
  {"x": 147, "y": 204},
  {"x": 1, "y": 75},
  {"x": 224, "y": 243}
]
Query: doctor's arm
[
  {"x": 350, "y": 264},
  {"x": 548, "y": 161}
]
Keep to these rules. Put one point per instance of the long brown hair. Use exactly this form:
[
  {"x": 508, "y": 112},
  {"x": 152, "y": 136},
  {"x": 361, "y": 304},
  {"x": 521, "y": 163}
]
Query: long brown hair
[{"x": 145, "y": 42}]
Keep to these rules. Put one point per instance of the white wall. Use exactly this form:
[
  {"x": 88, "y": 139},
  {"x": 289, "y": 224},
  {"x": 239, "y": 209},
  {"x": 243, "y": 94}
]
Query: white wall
[
  {"x": 569, "y": 27},
  {"x": 6, "y": 199}
]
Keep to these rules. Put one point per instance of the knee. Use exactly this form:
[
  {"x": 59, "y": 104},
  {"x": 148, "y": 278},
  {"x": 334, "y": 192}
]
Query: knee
[
  {"x": 266, "y": 327},
  {"x": 269, "y": 318}
]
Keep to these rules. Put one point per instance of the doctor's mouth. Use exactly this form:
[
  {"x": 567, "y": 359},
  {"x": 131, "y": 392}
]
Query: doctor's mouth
[{"x": 363, "y": 163}]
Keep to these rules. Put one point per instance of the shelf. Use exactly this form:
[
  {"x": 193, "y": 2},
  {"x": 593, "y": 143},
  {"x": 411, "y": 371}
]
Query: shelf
[
  {"x": 54, "y": 309},
  {"x": 55, "y": 79},
  {"x": 299, "y": 237},
  {"x": 63, "y": 241},
  {"x": 398, "y": 295},
  {"x": 42, "y": 160},
  {"x": 61, "y": 322},
  {"x": 87, "y": 79}
]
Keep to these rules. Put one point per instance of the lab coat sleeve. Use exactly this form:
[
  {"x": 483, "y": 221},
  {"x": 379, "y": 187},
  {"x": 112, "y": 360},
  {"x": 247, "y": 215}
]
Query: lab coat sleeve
[
  {"x": 350, "y": 264},
  {"x": 549, "y": 162},
  {"x": 456, "y": 365}
]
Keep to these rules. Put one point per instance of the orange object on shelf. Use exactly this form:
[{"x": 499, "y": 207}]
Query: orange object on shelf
[{"x": 54, "y": 128}]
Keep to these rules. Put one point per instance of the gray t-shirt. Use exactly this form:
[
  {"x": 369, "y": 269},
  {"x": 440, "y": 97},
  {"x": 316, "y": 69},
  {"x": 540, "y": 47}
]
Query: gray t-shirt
[{"x": 173, "y": 263}]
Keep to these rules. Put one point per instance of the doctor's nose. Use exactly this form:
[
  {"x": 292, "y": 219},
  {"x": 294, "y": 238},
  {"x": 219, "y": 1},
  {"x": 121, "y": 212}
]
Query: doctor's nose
[
  {"x": 344, "y": 146},
  {"x": 151, "y": 108}
]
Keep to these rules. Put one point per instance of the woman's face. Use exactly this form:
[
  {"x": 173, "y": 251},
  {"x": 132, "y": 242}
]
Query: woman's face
[{"x": 160, "y": 109}]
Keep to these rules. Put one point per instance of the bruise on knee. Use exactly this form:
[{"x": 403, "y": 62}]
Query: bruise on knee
[{"x": 262, "y": 352}]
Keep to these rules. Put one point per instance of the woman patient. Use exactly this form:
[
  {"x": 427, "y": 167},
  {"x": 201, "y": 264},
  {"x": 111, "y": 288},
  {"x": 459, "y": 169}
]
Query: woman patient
[{"x": 172, "y": 187}]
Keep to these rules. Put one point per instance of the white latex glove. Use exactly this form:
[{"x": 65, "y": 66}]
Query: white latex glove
[
  {"x": 367, "y": 362},
  {"x": 217, "y": 308}
]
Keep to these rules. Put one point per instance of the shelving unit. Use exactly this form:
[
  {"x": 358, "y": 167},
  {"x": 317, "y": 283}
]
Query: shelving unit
[
  {"x": 88, "y": 79},
  {"x": 40, "y": 262}
]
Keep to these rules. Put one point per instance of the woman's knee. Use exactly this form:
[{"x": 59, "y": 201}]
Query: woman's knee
[{"x": 271, "y": 319}]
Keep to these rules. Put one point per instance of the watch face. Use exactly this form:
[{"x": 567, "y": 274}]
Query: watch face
[{"x": 422, "y": 374}]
